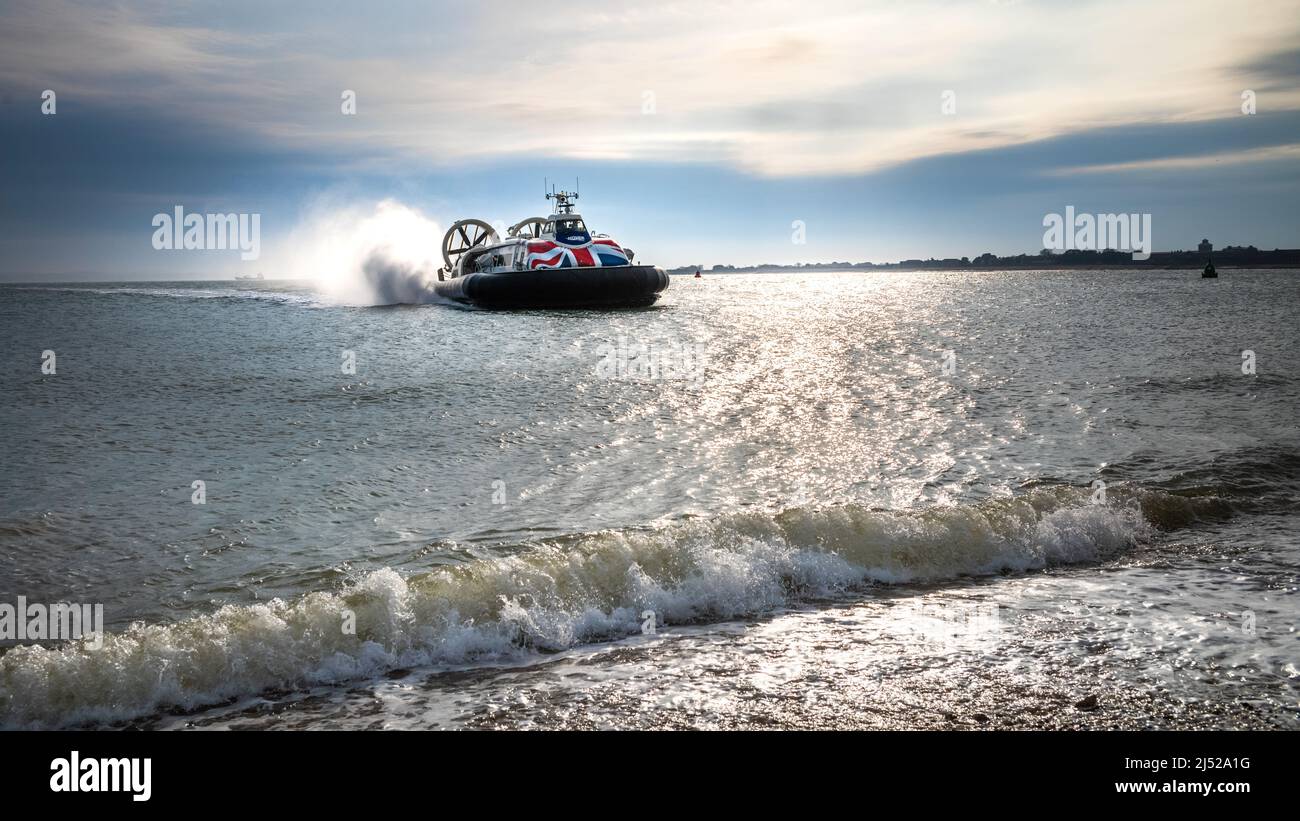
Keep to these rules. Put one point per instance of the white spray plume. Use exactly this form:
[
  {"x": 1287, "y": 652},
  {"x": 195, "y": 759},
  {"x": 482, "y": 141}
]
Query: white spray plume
[{"x": 382, "y": 254}]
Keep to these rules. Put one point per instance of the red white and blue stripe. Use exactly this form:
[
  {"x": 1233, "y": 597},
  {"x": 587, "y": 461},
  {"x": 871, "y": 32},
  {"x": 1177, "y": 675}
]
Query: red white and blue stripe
[{"x": 596, "y": 253}]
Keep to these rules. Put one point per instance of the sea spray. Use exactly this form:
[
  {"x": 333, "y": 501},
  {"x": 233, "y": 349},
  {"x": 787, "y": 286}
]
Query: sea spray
[{"x": 381, "y": 254}]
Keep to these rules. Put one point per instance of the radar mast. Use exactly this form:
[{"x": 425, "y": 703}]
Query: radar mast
[{"x": 564, "y": 200}]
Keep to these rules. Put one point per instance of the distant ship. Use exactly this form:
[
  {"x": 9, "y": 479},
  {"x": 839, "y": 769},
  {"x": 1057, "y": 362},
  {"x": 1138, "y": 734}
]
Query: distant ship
[
  {"x": 254, "y": 278},
  {"x": 1209, "y": 272},
  {"x": 543, "y": 262}
]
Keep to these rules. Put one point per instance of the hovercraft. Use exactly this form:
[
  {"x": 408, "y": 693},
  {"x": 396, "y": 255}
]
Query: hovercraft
[{"x": 543, "y": 262}]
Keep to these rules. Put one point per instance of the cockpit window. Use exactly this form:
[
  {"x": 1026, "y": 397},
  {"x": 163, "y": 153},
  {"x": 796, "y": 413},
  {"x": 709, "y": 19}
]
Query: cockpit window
[{"x": 562, "y": 226}]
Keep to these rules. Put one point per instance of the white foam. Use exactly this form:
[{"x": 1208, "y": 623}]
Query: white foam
[
  {"x": 384, "y": 253},
  {"x": 547, "y": 597}
]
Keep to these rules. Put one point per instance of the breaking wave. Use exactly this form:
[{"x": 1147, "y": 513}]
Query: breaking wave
[{"x": 549, "y": 596}]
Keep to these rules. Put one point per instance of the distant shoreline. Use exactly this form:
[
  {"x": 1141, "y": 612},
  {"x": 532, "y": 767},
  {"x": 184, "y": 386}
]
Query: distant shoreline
[
  {"x": 1226, "y": 258},
  {"x": 851, "y": 269}
]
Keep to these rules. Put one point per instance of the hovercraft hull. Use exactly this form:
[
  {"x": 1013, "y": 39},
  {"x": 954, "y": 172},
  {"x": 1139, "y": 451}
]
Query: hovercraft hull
[{"x": 621, "y": 286}]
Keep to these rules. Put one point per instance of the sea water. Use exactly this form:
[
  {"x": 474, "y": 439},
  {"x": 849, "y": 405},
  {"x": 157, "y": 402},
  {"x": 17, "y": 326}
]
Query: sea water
[{"x": 815, "y": 500}]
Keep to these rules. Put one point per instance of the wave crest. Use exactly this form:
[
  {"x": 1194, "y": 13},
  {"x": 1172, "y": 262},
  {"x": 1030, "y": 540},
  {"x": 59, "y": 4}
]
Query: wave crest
[{"x": 550, "y": 596}]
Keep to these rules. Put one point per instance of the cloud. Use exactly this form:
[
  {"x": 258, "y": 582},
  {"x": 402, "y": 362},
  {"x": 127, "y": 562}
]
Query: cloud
[
  {"x": 768, "y": 88},
  {"x": 1278, "y": 70},
  {"x": 1272, "y": 153}
]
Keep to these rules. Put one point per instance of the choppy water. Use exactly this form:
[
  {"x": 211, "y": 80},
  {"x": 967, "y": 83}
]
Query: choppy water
[{"x": 830, "y": 529}]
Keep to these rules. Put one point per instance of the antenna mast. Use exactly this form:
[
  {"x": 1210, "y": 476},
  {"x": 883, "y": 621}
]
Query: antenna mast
[{"x": 564, "y": 200}]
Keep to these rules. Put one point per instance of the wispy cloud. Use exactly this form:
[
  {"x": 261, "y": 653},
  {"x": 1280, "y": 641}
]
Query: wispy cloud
[{"x": 1273, "y": 153}]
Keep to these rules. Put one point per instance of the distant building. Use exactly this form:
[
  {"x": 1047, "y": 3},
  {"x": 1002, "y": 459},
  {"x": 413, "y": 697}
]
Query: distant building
[{"x": 1205, "y": 247}]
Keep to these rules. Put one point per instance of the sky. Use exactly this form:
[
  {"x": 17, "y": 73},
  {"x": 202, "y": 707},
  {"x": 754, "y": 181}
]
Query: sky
[{"x": 702, "y": 132}]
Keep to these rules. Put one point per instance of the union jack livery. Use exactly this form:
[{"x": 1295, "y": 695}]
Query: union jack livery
[
  {"x": 543, "y": 262},
  {"x": 598, "y": 252}
]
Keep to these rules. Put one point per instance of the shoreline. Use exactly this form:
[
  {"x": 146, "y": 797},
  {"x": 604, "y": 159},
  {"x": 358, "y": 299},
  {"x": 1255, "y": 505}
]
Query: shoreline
[{"x": 841, "y": 664}]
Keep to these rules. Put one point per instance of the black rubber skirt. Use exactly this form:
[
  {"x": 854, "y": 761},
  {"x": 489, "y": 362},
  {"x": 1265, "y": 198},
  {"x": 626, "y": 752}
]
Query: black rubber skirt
[{"x": 620, "y": 286}]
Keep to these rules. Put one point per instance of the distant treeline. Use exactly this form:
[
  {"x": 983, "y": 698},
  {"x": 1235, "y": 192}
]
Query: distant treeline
[{"x": 1231, "y": 256}]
